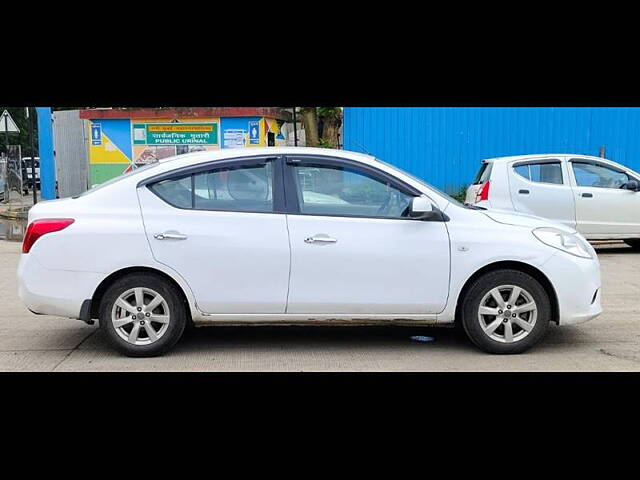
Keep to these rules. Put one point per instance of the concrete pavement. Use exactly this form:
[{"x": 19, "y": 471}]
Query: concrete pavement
[{"x": 30, "y": 342}]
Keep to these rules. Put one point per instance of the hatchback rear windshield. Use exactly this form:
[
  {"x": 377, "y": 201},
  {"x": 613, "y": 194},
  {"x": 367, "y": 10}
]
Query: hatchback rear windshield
[{"x": 484, "y": 173}]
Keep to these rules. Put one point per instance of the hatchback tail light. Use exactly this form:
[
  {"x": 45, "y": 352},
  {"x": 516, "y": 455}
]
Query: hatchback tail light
[
  {"x": 41, "y": 227},
  {"x": 483, "y": 194}
]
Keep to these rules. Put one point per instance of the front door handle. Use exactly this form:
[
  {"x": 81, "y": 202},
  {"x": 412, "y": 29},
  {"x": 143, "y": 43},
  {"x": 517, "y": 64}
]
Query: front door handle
[
  {"x": 524, "y": 192},
  {"x": 587, "y": 195},
  {"x": 169, "y": 236},
  {"x": 320, "y": 239}
]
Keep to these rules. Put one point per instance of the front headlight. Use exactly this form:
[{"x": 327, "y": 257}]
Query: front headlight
[{"x": 567, "y": 242}]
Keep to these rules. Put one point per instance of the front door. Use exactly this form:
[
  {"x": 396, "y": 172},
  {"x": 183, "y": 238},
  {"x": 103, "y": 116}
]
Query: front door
[
  {"x": 221, "y": 230},
  {"x": 353, "y": 248},
  {"x": 602, "y": 206}
]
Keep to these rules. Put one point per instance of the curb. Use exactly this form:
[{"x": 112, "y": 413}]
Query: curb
[{"x": 13, "y": 215}]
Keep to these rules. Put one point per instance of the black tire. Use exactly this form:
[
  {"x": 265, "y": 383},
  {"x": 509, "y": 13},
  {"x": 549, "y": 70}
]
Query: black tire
[
  {"x": 633, "y": 243},
  {"x": 177, "y": 314},
  {"x": 481, "y": 287}
]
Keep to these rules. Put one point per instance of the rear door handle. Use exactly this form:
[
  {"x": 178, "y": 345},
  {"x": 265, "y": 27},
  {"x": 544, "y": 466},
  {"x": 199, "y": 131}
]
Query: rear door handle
[
  {"x": 169, "y": 236},
  {"x": 320, "y": 239},
  {"x": 524, "y": 192},
  {"x": 587, "y": 195}
]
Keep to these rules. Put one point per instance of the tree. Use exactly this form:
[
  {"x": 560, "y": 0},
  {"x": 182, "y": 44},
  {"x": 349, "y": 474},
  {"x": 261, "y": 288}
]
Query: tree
[
  {"x": 331, "y": 122},
  {"x": 310, "y": 123},
  {"x": 322, "y": 126}
]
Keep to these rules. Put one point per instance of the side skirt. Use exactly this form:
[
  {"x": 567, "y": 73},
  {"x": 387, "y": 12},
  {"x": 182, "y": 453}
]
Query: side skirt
[{"x": 314, "y": 319}]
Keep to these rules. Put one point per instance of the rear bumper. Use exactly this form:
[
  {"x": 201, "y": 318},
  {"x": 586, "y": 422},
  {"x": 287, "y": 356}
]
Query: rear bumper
[{"x": 55, "y": 292}]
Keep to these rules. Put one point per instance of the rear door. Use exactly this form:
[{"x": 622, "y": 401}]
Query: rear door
[
  {"x": 223, "y": 229},
  {"x": 602, "y": 206},
  {"x": 541, "y": 187}
]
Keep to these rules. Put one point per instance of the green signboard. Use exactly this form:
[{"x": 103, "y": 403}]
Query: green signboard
[{"x": 175, "y": 134}]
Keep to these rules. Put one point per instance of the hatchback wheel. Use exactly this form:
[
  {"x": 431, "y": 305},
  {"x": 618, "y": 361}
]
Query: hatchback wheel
[
  {"x": 142, "y": 315},
  {"x": 506, "y": 311}
]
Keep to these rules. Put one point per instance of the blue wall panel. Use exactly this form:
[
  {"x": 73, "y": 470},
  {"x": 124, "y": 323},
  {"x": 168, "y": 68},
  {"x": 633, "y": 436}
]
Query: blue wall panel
[
  {"x": 444, "y": 145},
  {"x": 47, "y": 160}
]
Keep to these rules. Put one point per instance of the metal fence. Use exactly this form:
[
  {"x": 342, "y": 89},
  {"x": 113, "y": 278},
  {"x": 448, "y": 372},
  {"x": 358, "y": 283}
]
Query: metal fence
[{"x": 11, "y": 185}]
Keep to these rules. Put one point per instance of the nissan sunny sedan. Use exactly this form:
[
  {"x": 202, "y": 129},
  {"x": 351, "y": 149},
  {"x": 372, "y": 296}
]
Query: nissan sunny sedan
[{"x": 295, "y": 236}]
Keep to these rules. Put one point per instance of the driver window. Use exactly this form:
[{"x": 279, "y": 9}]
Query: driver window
[
  {"x": 592, "y": 175},
  {"x": 330, "y": 190}
]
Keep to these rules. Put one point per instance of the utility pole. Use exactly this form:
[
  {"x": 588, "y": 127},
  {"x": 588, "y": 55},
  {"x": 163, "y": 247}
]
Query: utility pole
[{"x": 33, "y": 158}]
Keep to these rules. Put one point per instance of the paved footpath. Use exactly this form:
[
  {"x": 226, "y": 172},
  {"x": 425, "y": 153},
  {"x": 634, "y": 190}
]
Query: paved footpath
[{"x": 30, "y": 342}]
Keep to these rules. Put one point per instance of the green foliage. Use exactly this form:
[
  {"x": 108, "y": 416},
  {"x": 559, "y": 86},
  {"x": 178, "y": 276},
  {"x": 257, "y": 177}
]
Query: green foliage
[
  {"x": 325, "y": 143},
  {"x": 461, "y": 194},
  {"x": 329, "y": 112}
]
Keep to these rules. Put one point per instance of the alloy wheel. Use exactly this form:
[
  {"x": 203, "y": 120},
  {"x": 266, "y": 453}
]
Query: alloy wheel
[
  {"x": 507, "y": 313},
  {"x": 140, "y": 316}
]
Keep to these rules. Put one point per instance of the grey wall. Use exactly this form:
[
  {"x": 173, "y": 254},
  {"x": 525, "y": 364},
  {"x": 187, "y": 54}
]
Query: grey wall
[{"x": 70, "y": 151}]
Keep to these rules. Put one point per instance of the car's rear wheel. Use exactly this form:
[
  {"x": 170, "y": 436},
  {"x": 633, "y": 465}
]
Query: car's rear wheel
[
  {"x": 142, "y": 315},
  {"x": 506, "y": 311},
  {"x": 633, "y": 243}
]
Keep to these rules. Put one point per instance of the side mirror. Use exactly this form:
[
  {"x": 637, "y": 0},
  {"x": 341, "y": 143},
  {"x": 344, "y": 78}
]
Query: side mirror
[
  {"x": 421, "y": 208},
  {"x": 631, "y": 185}
]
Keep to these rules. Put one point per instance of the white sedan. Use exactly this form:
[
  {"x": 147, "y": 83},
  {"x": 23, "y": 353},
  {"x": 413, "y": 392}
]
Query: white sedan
[
  {"x": 294, "y": 236},
  {"x": 597, "y": 197}
]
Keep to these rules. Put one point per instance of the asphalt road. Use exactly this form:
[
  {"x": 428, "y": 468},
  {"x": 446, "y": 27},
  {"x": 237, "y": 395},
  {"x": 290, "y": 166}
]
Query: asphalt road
[{"x": 611, "y": 342}]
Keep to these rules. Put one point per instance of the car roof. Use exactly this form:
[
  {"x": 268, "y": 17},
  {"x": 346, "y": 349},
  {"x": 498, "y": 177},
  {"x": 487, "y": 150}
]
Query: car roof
[
  {"x": 193, "y": 158},
  {"x": 500, "y": 160},
  {"x": 538, "y": 155},
  {"x": 223, "y": 154}
]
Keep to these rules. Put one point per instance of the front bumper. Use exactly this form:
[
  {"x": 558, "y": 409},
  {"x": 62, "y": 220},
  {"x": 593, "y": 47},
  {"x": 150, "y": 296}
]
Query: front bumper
[{"x": 577, "y": 285}]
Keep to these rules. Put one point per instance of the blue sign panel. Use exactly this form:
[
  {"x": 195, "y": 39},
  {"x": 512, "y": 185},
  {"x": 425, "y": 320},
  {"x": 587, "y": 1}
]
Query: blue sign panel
[
  {"x": 254, "y": 133},
  {"x": 96, "y": 134}
]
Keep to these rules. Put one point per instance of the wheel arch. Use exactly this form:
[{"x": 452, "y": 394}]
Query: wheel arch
[
  {"x": 96, "y": 299},
  {"x": 512, "y": 265}
]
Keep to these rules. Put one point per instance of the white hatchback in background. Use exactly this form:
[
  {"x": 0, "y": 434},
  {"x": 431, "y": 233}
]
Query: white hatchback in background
[
  {"x": 284, "y": 236},
  {"x": 597, "y": 197}
]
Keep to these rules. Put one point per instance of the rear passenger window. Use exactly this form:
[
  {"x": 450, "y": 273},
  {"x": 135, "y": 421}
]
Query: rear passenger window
[
  {"x": 240, "y": 189},
  {"x": 176, "y": 191},
  {"x": 547, "y": 172},
  {"x": 244, "y": 188}
]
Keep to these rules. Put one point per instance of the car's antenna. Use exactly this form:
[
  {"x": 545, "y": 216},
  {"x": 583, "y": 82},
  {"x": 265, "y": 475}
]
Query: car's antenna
[{"x": 361, "y": 147}]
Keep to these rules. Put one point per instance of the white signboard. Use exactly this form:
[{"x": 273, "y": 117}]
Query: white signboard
[
  {"x": 234, "y": 138},
  {"x": 11, "y": 127}
]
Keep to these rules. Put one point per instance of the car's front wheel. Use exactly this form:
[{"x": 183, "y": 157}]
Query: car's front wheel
[
  {"x": 506, "y": 311},
  {"x": 142, "y": 315}
]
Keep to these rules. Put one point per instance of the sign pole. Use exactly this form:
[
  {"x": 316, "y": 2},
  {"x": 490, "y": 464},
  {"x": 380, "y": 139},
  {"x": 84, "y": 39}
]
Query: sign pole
[
  {"x": 33, "y": 158},
  {"x": 295, "y": 128},
  {"x": 6, "y": 136}
]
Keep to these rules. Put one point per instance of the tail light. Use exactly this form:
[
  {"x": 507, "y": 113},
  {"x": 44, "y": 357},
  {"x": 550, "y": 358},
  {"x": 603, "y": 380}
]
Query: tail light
[
  {"x": 483, "y": 194},
  {"x": 41, "y": 227}
]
